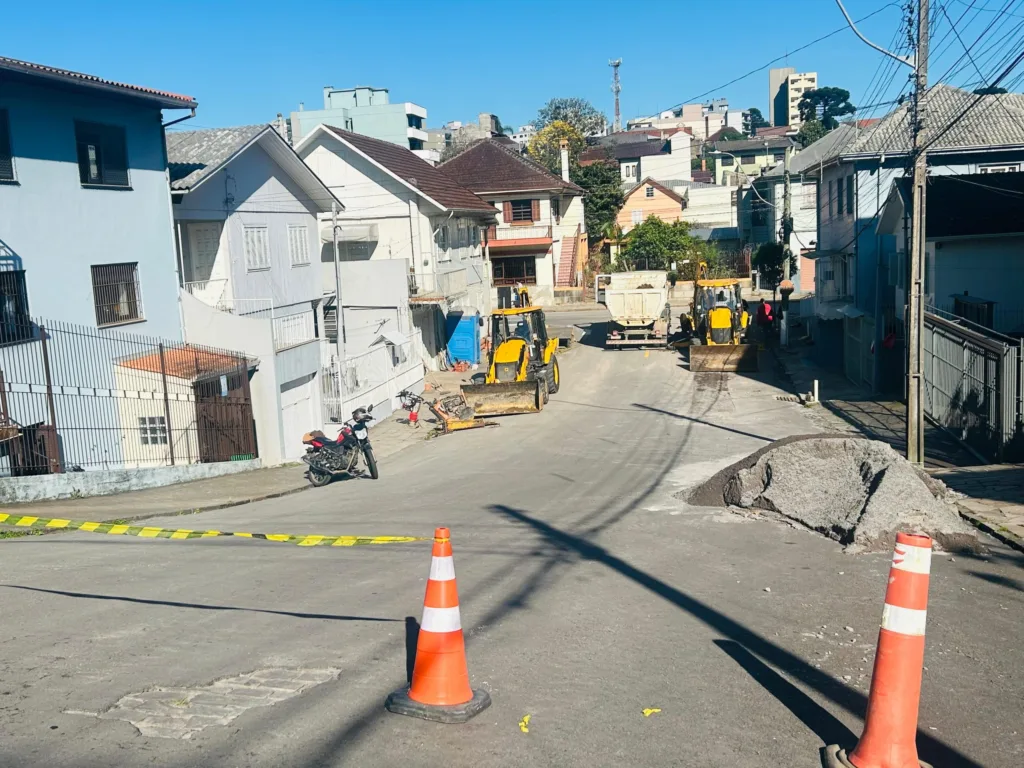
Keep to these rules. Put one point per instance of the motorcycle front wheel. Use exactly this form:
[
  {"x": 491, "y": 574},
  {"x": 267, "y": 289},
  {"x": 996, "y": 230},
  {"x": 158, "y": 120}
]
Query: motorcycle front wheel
[
  {"x": 371, "y": 463},
  {"x": 317, "y": 478}
]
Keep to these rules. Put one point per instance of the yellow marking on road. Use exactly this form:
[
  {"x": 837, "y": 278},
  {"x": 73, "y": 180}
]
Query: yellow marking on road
[
  {"x": 647, "y": 353},
  {"x": 651, "y": 711},
  {"x": 524, "y": 724}
]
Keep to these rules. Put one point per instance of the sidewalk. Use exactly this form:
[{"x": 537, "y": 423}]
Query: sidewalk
[
  {"x": 846, "y": 408},
  {"x": 389, "y": 437},
  {"x": 995, "y": 498},
  {"x": 994, "y": 492}
]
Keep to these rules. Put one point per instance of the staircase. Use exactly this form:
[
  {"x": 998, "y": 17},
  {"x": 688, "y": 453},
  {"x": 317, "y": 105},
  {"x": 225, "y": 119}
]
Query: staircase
[{"x": 567, "y": 261}]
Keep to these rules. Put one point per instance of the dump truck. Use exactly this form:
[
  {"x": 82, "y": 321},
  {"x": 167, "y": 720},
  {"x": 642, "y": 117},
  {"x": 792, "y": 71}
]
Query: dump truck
[{"x": 638, "y": 304}]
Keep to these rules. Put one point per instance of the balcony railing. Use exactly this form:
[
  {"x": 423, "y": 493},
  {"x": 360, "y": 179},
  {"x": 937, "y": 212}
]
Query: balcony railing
[{"x": 530, "y": 232}]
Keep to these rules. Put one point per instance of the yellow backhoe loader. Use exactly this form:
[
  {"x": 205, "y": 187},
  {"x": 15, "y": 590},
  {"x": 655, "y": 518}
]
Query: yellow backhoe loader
[
  {"x": 523, "y": 369},
  {"x": 718, "y": 326}
]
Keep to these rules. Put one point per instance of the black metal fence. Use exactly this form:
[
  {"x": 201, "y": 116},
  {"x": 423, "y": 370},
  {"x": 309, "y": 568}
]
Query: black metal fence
[{"x": 75, "y": 398}]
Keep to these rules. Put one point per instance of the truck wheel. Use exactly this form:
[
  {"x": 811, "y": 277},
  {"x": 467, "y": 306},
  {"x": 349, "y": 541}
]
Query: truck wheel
[{"x": 554, "y": 377}]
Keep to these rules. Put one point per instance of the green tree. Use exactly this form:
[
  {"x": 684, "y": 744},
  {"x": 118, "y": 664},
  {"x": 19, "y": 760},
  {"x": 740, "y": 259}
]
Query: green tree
[
  {"x": 546, "y": 146},
  {"x": 498, "y": 127},
  {"x": 579, "y": 113},
  {"x": 729, "y": 134},
  {"x": 603, "y": 185},
  {"x": 768, "y": 261},
  {"x": 654, "y": 244},
  {"x": 752, "y": 120},
  {"x": 989, "y": 90},
  {"x": 832, "y": 102},
  {"x": 810, "y": 132}
]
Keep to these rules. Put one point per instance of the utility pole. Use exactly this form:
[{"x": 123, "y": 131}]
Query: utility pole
[
  {"x": 786, "y": 287},
  {"x": 915, "y": 286},
  {"x": 787, "y": 213},
  {"x": 915, "y": 309},
  {"x": 338, "y": 313},
  {"x": 616, "y": 89}
]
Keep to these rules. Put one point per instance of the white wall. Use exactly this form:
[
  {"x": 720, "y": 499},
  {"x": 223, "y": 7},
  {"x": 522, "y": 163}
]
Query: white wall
[
  {"x": 262, "y": 194},
  {"x": 710, "y": 206},
  {"x": 206, "y": 325}
]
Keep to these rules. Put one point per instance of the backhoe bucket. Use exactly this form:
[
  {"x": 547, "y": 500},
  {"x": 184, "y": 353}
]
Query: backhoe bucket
[
  {"x": 504, "y": 399},
  {"x": 724, "y": 358}
]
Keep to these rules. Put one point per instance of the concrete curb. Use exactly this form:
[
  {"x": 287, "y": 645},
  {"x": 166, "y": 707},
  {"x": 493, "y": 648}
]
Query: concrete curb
[
  {"x": 991, "y": 529},
  {"x": 208, "y": 508}
]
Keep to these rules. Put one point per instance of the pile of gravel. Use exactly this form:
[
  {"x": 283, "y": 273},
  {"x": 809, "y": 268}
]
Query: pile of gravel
[{"x": 856, "y": 491}]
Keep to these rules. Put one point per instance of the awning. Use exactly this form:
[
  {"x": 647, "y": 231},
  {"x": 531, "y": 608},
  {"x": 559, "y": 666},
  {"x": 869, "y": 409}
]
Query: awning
[
  {"x": 394, "y": 338},
  {"x": 351, "y": 233},
  {"x": 816, "y": 254},
  {"x": 837, "y": 310}
]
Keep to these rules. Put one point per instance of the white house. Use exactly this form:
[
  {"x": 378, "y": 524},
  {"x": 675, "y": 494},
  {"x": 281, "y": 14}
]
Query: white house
[
  {"x": 245, "y": 210},
  {"x": 400, "y": 207},
  {"x": 540, "y": 236}
]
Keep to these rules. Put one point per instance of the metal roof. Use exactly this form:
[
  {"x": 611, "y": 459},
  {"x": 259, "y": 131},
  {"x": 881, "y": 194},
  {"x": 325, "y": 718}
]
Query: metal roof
[
  {"x": 992, "y": 121},
  {"x": 162, "y": 98},
  {"x": 193, "y": 157}
]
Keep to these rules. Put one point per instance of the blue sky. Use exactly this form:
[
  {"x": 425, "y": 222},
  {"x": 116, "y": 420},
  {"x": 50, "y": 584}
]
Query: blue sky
[{"x": 245, "y": 62}]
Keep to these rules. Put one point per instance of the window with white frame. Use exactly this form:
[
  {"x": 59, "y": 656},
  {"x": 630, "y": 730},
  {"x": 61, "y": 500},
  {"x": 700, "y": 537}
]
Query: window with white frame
[
  {"x": 256, "y": 243},
  {"x": 638, "y": 216},
  {"x": 1001, "y": 168},
  {"x": 153, "y": 430},
  {"x": 809, "y": 200},
  {"x": 298, "y": 245}
]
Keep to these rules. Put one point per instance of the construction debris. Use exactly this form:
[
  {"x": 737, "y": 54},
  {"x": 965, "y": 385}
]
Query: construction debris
[{"x": 856, "y": 491}]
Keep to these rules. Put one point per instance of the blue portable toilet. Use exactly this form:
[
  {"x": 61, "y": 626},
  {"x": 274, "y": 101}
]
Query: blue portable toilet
[{"x": 463, "y": 333}]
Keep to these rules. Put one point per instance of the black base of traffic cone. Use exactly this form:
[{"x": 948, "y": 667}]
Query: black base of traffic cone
[
  {"x": 400, "y": 703},
  {"x": 834, "y": 757}
]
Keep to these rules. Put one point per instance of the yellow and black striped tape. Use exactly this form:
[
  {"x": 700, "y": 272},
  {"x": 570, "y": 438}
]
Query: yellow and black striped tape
[{"x": 146, "y": 532}]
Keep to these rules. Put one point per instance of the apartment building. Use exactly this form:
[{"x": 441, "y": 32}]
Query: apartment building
[
  {"x": 786, "y": 87},
  {"x": 367, "y": 111}
]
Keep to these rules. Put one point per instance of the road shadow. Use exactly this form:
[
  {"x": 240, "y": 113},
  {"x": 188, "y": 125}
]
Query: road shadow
[
  {"x": 1002, "y": 581},
  {"x": 823, "y": 723},
  {"x": 853, "y": 701},
  {"x": 701, "y": 421},
  {"x": 197, "y": 606},
  {"x": 412, "y": 638}
]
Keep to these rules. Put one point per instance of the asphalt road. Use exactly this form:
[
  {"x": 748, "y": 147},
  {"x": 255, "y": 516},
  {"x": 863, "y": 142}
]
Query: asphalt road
[{"x": 589, "y": 593}]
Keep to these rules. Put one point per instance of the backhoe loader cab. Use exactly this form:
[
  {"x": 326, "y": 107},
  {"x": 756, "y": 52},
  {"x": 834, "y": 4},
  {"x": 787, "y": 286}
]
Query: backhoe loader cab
[
  {"x": 718, "y": 326},
  {"x": 522, "y": 370}
]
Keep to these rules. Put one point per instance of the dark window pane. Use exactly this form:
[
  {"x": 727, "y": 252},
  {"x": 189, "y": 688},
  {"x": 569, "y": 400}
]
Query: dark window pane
[
  {"x": 522, "y": 210},
  {"x": 115, "y": 289},
  {"x": 6, "y": 155},
  {"x": 102, "y": 154}
]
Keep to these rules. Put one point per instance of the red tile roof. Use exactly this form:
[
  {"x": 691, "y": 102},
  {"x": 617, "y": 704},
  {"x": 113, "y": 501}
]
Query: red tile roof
[
  {"x": 490, "y": 166},
  {"x": 188, "y": 362},
  {"x": 165, "y": 98},
  {"x": 415, "y": 171}
]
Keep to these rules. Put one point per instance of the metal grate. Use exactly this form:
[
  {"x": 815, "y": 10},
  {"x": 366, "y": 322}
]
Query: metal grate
[{"x": 116, "y": 293}]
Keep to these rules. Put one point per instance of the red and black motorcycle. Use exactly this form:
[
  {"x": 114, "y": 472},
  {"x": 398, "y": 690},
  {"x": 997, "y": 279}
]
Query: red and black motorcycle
[{"x": 329, "y": 458}]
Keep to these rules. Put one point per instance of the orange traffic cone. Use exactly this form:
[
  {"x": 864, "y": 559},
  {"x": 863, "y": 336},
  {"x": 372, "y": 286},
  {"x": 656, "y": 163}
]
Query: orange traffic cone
[
  {"x": 890, "y": 727},
  {"x": 440, "y": 679}
]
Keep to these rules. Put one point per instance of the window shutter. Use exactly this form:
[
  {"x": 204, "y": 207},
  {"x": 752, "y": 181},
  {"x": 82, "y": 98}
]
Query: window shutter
[
  {"x": 6, "y": 156},
  {"x": 506, "y": 211},
  {"x": 535, "y": 210}
]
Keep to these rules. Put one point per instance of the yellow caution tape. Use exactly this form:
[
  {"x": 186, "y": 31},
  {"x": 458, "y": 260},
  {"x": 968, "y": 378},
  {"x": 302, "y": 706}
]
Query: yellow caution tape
[{"x": 146, "y": 532}]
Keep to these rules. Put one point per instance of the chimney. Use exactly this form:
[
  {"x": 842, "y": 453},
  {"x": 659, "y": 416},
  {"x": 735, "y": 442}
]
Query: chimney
[
  {"x": 563, "y": 147},
  {"x": 302, "y": 106}
]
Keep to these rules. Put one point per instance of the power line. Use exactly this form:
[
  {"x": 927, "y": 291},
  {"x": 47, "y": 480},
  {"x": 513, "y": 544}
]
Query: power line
[{"x": 777, "y": 59}]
